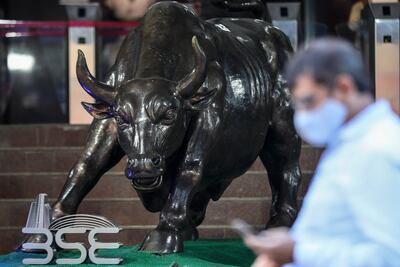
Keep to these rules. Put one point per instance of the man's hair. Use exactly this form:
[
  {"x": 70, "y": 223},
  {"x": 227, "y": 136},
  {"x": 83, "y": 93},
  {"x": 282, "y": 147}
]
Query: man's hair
[{"x": 325, "y": 59}]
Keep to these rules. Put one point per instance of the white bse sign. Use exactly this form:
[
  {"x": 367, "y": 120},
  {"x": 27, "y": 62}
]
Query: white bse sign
[{"x": 39, "y": 223}]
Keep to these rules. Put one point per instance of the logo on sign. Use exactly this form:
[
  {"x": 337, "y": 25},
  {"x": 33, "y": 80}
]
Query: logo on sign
[{"x": 39, "y": 223}]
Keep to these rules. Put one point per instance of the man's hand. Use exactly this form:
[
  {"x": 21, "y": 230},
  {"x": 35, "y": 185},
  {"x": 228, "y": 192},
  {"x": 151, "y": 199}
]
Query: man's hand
[
  {"x": 274, "y": 245},
  {"x": 264, "y": 261}
]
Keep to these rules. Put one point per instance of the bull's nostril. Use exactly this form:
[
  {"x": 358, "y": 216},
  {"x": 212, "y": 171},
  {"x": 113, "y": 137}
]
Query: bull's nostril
[{"x": 156, "y": 161}]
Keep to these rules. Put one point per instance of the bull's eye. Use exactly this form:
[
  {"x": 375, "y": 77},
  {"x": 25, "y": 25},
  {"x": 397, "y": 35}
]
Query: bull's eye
[{"x": 169, "y": 116}]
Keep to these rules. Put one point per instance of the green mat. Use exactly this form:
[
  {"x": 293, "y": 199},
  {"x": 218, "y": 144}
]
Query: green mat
[{"x": 221, "y": 253}]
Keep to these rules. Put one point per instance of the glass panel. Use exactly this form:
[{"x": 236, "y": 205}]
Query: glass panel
[
  {"x": 33, "y": 83},
  {"x": 109, "y": 39}
]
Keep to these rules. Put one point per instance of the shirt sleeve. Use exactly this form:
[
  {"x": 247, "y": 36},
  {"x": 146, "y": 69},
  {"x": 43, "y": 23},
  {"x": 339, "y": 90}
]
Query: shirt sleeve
[{"x": 371, "y": 189}]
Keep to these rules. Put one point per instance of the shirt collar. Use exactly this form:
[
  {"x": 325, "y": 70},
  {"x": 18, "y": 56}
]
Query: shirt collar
[{"x": 359, "y": 125}]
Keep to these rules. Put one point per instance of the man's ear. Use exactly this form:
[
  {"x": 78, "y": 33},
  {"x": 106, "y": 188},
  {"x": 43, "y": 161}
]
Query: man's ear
[
  {"x": 202, "y": 99},
  {"x": 99, "y": 111},
  {"x": 344, "y": 87}
]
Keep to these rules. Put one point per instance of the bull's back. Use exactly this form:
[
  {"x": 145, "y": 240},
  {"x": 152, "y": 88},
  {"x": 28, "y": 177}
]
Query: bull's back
[
  {"x": 245, "y": 66},
  {"x": 253, "y": 53},
  {"x": 247, "y": 51}
]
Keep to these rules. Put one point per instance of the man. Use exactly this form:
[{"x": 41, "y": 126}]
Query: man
[
  {"x": 351, "y": 213},
  {"x": 129, "y": 10},
  {"x": 354, "y": 20}
]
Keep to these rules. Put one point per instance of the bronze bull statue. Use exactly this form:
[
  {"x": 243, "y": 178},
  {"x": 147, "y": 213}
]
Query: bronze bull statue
[{"x": 192, "y": 104}]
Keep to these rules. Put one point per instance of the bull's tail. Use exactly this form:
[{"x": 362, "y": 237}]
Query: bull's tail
[{"x": 257, "y": 7}]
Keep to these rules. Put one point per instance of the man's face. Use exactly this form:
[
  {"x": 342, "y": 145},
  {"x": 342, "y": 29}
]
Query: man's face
[
  {"x": 307, "y": 94},
  {"x": 320, "y": 111}
]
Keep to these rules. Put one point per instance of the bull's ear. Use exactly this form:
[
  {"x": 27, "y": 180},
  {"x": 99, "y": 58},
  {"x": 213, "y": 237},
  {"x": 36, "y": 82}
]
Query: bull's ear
[
  {"x": 98, "y": 110},
  {"x": 204, "y": 96},
  {"x": 202, "y": 99}
]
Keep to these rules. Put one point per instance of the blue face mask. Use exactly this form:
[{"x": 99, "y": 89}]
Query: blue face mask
[{"x": 318, "y": 126}]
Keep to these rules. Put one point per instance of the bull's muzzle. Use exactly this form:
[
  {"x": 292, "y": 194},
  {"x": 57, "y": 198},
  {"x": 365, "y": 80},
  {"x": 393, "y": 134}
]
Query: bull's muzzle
[{"x": 146, "y": 173}]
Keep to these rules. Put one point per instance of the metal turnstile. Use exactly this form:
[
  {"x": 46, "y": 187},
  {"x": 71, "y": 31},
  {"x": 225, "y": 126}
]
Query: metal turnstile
[
  {"x": 286, "y": 17},
  {"x": 380, "y": 46}
]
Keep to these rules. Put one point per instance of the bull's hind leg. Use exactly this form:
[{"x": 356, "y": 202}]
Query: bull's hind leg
[
  {"x": 280, "y": 155},
  {"x": 198, "y": 206}
]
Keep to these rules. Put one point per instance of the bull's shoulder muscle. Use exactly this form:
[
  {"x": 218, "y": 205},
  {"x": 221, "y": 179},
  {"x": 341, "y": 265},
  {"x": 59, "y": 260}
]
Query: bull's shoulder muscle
[{"x": 272, "y": 41}]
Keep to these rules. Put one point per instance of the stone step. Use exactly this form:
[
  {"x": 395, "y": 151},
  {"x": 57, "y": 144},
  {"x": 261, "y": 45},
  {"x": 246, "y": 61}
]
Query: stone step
[
  {"x": 28, "y": 186},
  {"x": 43, "y": 135},
  {"x": 112, "y": 186},
  {"x": 131, "y": 211},
  {"x": 61, "y": 159}
]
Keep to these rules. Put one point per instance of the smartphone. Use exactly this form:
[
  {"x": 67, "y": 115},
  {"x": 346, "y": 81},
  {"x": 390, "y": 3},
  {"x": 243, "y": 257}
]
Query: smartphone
[{"x": 242, "y": 228}]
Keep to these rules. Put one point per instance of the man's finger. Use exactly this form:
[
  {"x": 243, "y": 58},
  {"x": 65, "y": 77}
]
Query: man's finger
[
  {"x": 256, "y": 244},
  {"x": 264, "y": 261}
]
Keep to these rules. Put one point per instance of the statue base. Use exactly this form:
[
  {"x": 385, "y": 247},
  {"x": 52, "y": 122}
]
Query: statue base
[{"x": 201, "y": 253}]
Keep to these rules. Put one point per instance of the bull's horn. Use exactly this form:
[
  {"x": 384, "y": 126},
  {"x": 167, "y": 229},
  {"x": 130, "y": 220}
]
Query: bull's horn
[
  {"x": 96, "y": 89},
  {"x": 189, "y": 85}
]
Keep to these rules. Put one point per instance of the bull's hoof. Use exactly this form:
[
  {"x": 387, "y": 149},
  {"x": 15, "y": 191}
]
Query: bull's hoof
[
  {"x": 58, "y": 212},
  {"x": 162, "y": 242},
  {"x": 32, "y": 239},
  {"x": 37, "y": 238},
  {"x": 190, "y": 234},
  {"x": 280, "y": 220}
]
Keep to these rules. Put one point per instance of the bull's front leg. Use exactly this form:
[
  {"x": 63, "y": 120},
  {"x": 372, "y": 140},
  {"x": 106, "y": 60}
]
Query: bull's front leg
[
  {"x": 175, "y": 219},
  {"x": 100, "y": 154},
  {"x": 175, "y": 224}
]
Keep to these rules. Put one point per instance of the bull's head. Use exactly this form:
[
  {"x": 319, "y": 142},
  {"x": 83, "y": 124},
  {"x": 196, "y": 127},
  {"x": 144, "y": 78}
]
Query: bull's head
[{"x": 152, "y": 115}]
